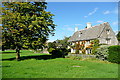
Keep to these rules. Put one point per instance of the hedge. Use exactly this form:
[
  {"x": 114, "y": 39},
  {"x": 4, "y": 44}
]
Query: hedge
[{"x": 114, "y": 54}]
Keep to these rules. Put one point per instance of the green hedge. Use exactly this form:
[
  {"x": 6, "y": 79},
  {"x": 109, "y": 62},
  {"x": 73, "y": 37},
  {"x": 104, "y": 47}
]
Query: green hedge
[{"x": 114, "y": 54}]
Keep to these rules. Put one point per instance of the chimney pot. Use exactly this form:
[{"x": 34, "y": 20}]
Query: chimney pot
[
  {"x": 76, "y": 29},
  {"x": 89, "y": 25}
]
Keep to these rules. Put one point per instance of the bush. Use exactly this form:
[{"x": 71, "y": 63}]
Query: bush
[
  {"x": 83, "y": 51},
  {"x": 50, "y": 50},
  {"x": 58, "y": 52},
  {"x": 114, "y": 53},
  {"x": 102, "y": 52},
  {"x": 95, "y": 45},
  {"x": 77, "y": 52}
]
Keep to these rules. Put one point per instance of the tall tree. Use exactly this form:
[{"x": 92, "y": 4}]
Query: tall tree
[{"x": 26, "y": 25}]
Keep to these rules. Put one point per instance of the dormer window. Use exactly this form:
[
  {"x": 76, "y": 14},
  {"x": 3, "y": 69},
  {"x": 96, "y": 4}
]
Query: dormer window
[
  {"x": 80, "y": 34},
  {"x": 108, "y": 31}
]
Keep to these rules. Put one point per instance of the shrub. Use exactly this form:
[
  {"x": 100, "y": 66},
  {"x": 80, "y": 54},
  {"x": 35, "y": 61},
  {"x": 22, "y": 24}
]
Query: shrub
[
  {"x": 102, "y": 52},
  {"x": 58, "y": 52},
  {"x": 114, "y": 53},
  {"x": 83, "y": 51},
  {"x": 95, "y": 45},
  {"x": 77, "y": 52},
  {"x": 50, "y": 50}
]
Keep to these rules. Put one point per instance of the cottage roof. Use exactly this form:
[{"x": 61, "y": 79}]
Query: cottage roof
[{"x": 88, "y": 33}]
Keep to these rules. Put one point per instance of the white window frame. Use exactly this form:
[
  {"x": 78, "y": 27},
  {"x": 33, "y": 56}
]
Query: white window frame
[
  {"x": 80, "y": 34},
  {"x": 108, "y": 41},
  {"x": 108, "y": 31}
]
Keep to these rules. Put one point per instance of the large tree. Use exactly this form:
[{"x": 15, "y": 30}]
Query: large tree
[{"x": 26, "y": 25}]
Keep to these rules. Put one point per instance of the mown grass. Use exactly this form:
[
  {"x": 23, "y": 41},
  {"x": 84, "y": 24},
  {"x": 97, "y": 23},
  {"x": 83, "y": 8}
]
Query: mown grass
[{"x": 55, "y": 68}]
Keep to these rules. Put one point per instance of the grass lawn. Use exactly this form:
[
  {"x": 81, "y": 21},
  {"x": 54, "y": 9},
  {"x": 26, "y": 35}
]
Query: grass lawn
[{"x": 35, "y": 67}]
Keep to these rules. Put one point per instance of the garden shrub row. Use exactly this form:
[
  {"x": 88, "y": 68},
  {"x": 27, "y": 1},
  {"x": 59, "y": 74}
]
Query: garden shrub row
[
  {"x": 109, "y": 53},
  {"x": 114, "y": 54}
]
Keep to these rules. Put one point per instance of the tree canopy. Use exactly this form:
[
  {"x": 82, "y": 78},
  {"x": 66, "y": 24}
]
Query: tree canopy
[
  {"x": 26, "y": 25},
  {"x": 60, "y": 43}
]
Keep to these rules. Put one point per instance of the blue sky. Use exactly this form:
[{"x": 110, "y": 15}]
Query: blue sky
[{"x": 68, "y": 15}]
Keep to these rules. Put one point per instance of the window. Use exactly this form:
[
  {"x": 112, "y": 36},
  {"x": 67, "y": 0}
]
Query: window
[
  {"x": 73, "y": 43},
  {"x": 108, "y": 41},
  {"x": 88, "y": 42},
  {"x": 80, "y": 34},
  {"x": 88, "y": 51},
  {"x": 108, "y": 31}
]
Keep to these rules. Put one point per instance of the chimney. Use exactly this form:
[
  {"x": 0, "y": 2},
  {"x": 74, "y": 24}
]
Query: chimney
[
  {"x": 89, "y": 25},
  {"x": 76, "y": 29}
]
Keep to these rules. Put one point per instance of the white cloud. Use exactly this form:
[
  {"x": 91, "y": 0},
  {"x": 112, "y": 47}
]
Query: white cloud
[
  {"x": 70, "y": 29},
  {"x": 94, "y": 11},
  {"x": 115, "y": 23},
  {"x": 100, "y": 21},
  {"x": 50, "y": 40},
  {"x": 66, "y": 25},
  {"x": 115, "y": 11},
  {"x": 91, "y": 13},
  {"x": 106, "y": 12},
  {"x": 78, "y": 24},
  {"x": 85, "y": 16}
]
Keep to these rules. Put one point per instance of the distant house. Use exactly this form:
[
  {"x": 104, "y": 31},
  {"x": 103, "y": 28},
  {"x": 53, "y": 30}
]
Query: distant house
[{"x": 103, "y": 32}]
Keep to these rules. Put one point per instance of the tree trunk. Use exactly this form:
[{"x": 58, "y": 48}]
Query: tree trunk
[{"x": 17, "y": 54}]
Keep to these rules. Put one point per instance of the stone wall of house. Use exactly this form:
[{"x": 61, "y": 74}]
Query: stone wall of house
[{"x": 108, "y": 34}]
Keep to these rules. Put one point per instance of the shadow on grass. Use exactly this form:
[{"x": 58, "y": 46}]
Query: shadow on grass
[
  {"x": 8, "y": 52},
  {"x": 37, "y": 57},
  {"x": 5, "y": 66}
]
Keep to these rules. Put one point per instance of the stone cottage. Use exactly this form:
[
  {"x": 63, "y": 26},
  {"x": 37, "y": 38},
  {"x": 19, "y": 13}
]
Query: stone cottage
[{"x": 103, "y": 32}]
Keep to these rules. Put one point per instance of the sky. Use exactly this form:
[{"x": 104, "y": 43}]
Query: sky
[{"x": 69, "y": 15}]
